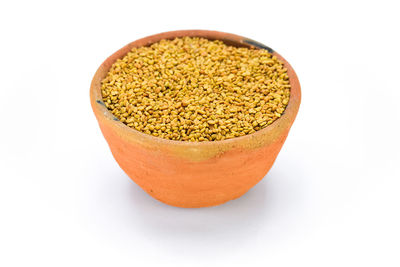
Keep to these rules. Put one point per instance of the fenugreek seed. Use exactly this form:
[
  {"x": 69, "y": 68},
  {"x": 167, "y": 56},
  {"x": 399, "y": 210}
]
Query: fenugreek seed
[
  {"x": 185, "y": 103},
  {"x": 193, "y": 89}
]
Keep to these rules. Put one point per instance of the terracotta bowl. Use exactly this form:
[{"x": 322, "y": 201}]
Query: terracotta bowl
[{"x": 193, "y": 174}]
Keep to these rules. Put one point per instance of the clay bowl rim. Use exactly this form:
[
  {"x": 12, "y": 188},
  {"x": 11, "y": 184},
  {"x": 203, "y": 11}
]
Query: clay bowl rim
[{"x": 229, "y": 39}]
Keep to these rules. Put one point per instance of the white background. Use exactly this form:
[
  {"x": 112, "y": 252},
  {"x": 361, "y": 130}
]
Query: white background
[{"x": 331, "y": 199}]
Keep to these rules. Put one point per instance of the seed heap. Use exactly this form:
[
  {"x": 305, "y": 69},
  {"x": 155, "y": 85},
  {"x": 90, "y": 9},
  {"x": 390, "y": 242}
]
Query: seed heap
[{"x": 194, "y": 89}]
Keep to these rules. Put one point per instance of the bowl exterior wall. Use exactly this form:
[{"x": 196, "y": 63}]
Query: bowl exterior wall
[{"x": 184, "y": 183}]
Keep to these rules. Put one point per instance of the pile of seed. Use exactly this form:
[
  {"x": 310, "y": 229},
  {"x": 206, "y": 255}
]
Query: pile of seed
[{"x": 194, "y": 89}]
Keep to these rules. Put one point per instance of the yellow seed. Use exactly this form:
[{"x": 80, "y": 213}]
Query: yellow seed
[{"x": 194, "y": 89}]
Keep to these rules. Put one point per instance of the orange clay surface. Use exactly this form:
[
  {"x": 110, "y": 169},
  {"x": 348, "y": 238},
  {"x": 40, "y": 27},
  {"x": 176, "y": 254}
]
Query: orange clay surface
[{"x": 193, "y": 174}]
